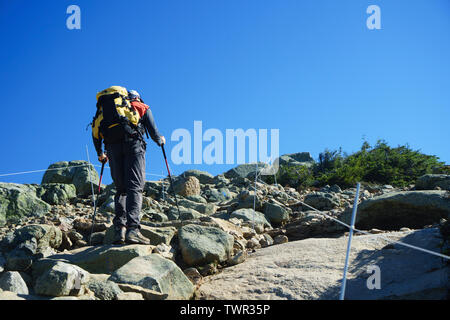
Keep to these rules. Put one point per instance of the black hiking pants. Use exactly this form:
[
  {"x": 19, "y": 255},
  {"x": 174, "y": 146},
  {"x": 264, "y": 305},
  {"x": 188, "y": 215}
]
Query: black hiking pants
[{"x": 127, "y": 163}]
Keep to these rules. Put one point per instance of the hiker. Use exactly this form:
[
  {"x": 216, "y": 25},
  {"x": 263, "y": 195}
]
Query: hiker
[{"x": 121, "y": 121}]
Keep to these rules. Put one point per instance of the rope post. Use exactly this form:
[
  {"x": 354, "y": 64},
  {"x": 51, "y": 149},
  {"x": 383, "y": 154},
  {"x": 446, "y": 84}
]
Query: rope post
[
  {"x": 349, "y": 244},
  {"x": 162, "y": 183},
  {"x": 89, "y": 171},
  {"x": 254, "y": 197}
]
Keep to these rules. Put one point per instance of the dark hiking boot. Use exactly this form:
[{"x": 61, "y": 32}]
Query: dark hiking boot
[
  {"x": 134, "y": 236},
  {"x": 119, "y": 235}
]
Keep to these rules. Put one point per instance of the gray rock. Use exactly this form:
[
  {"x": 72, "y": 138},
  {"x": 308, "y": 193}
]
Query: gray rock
[
  {"x": 155, "y": 273},
  {"x": 103, "y": 259},
  {"x": 157, "y": 216},
  {"x": 18, "y": 201},
  {"x": 334, "y": 188},
  {"x": 312, "y": 224},
  {"x": 244, "y": 170},
  {"x": 73, "y": 172},
  {"x": 221, "y": 181},
  {"x": 431, "y": 181},
  {"x": 322, "y": 201},
  {"x": 280, "y": 239},
  {"x": 19, "y": 259},
  {"x": 45, "y": 236},
  {"x": 217, "y": 195},
  {"x": 202, "y": 176},
  {"x": 62, "y": 279},
  {"x": 275, "y": 213},
  {"x": 246, "y": 200},
  {"x": 204, "y": 208},
  {"x": 183, "y": 214},
  {"x": 280, "y": 272},
  {"x": 202, "y": 245},
  {"x": 12, "y": 281},
  {"x": 238, "y": 258},
  {"x": 196, "y": 198},
  {"x": 296, "y": 159},
  {"x": 394, "y": 210},
  {"x": 158, "y": 235},
  {"x": 56, "y": 193},
  {"x": 249, "y": 215},
  {"x": 104, "y": 290}
]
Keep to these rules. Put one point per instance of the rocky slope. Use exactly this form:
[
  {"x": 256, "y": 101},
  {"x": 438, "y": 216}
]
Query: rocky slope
[{"x": 217, "y": 246}]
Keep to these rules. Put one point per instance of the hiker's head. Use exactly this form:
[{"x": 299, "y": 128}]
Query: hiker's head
[{"x": 134, "y": 95}]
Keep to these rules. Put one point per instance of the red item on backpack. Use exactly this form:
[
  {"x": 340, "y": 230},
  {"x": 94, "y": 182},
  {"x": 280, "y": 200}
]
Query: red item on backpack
[{"x": 140, "y": 107}]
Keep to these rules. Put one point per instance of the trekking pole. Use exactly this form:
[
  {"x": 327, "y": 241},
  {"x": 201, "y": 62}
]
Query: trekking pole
[
  {"x": 170, "y": 178},
  {"x": 95, "y": 202}
]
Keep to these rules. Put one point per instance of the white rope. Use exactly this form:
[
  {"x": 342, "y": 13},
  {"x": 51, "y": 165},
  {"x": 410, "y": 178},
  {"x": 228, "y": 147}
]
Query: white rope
[
  {"x": 66, "y": 167},
  {"x": 41, "y": 170},
  {"x": 368, "y": 233}
]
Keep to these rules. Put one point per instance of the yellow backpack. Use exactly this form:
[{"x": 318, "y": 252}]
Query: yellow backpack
[{"x": 115, "y": 117}]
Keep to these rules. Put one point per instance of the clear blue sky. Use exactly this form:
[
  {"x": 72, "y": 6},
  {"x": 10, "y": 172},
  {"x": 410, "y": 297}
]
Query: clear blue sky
[{"x": 309, "y": 68}]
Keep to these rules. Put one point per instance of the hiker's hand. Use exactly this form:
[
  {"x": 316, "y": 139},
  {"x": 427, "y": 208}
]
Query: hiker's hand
[
  {"x": 163, "y": 140},
  {"x": 103, "y": 158}
]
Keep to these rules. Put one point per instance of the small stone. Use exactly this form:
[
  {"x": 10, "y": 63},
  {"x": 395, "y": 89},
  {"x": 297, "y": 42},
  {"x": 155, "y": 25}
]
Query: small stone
[
  {"x": 193, "y": 275},
  {"x": 240, "y": 257},
  {"x": 253, "y": 243},
  {"x": 280, "y": 239}
]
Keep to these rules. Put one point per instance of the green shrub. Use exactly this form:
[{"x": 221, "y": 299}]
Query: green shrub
[{"x": 380, "y": 164}]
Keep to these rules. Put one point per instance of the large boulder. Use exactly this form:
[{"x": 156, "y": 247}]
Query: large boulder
[
  {"x": 322, "y": 200},
  {"x": 103, "y": 259},
  {"x": 186, "y": 186},
  {"x": 296, "y": 159},
  {"x": 155, "y": 273},
  {"x": 12, "y": 281},
  {"x": 392, "y": 211},
  {"x": 275, "y": 213},
  {"x": 18, "y": 201},
  {"x": 202, "y": 245},
  {"x": 56, "y": 193},
  {"x": 311, "y": 269},
  {"x": 62, "y": 279},
  {"x": 79, "y": 173},
  {"x": 431, "y": 181},
  {"x": 251, "y": 216},
  {"x": 202, "y": 176}
]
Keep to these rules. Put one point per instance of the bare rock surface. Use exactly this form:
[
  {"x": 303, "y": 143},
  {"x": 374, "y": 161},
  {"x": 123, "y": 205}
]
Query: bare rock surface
[{"x": 312, "y": 269}]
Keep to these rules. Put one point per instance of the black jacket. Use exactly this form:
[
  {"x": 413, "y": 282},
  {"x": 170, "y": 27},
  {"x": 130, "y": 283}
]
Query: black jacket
[{"x": 147, "y": 121}]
